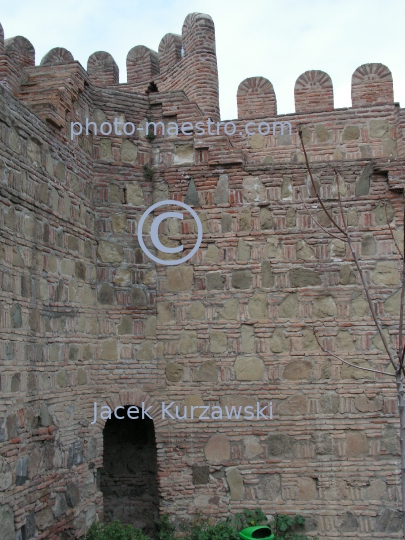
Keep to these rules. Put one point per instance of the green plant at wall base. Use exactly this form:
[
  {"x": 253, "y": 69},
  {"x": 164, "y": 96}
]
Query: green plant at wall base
[
  {"x": 249, "y": 518},
  {"x": 166, "y": 529},
  {"x": 285, "y": 527},
  {"x": 148, "y": 173},
  {"x": 114, "y": 531}
]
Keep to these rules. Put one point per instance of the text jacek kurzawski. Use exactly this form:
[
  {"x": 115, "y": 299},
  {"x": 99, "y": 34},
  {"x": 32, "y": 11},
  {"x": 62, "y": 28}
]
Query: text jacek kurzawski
[{"x": 193, "y": 412}]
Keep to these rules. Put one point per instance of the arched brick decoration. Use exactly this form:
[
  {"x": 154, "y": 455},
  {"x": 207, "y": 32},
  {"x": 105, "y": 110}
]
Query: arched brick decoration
[
  {"x": 142, "y": 64},
  {"x": 57, "y": 57},
  {"x": 102, "y": 69},
  {"x": 20, "y": 50},
  {"x": 256, "y": 98},
  {"x": 137, "y": 397},
  {"x": 169, "y": 51},
  {"x": 1, "y": 39},
  {"x": 372, "y": 84},
  {"x": 313, "y": 91}
]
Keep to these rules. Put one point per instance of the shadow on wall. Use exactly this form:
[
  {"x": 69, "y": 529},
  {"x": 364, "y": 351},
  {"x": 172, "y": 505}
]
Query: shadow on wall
[{"x": 128, "y": 479}]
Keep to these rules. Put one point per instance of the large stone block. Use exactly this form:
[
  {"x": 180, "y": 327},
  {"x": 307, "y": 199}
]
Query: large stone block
[
  {"x": 109, "y": 349},
  {"x": 245, "y": 219},
  {"x": 347, "y": 275},
  {"x": 126, "y": 325},
  {"x": 324, "y": 307},
  {"x": 344, "y": 341},
  {"x": 174, "y": 372},
  {"x": 356, "y": 443},
  {"x": 197, "y": 311},
  {"x": 252, "y": 447},
  {"x": 165, "y": 313},
  {"x": 119, "y": 222},
  {"x": 306, "y": 489},
  {"x": 304, "y": 277},
  {"x": 218, "y": 341},
  {"x": 257, "y": 306},
  {"x": 235, "y": 483},
  {"x": 247, "y": 339},
  {"x": 207, "y": 372},
  {"x": 249, "y": 368},
  {"x": 266, "y": 219},
  {"x": 145, "y": 351},
  {"x": 221, "y": 193},
  {"x": 215, "y": 281},
  {"x": 188, "y": 342},
  {"x": 230, "y": 310},
  {"x": 298, "y": 370},
  {"x": 330, "y": 403},
  {"x": 350, "y": 372},
  {"x": 7, "y": 522},
  {"x": 304, "y": 251},
  {"x": 218, "y": 449},
  {"x": 108, "y": 252},
  {"x": 134, "y": 195},
  {"x": 106, "y": 294},
  {"x": 295, "y": 405},
  {"x": 386, "y": 273},
  {"x": 241, "y": 279},
  {"x": 288, "y": 308},
  {"x": 253, "y": 189},
  {"x": 139, "y": 297},
  {"x": 368, "y": 245},
  {"x": 360, "y": 306},
  {"x": 129, "y": 151},
  {"x": 179, "y": 278},
  {"x": 278, "y": 343},
  {"x": 392, "y": 304},
  {"x": 274, "y": 250},
  {"x": 269, "y": 487},
  {"x": 267, "y": 275},
  {"x": 363, "y": 404},
  {"x": 243, "y": 250},
  {"x": 201, "y": 474}
]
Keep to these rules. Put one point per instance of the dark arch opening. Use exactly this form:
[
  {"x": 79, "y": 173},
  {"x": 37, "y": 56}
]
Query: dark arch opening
[
  {"x": 128, "y": 479},
  {"x": 152, "y": 88}
]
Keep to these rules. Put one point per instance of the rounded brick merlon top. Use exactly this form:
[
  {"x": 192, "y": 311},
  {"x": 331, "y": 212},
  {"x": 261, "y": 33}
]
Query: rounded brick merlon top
[
  {"x": 56, "y": 57},
  {"x": 371, "y": 84},
  {"x": 21, "y": 50},
  {"x": 313, "y": 91},
  {"x": 102, "y": 69}
]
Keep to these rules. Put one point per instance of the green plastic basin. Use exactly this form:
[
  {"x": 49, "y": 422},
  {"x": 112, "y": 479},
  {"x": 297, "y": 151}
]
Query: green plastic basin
[{"x": 261, "y": 532}]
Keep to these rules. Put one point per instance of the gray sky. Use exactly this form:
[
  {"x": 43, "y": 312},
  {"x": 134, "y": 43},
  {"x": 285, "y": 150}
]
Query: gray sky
[{"x": 277, "y": 39}]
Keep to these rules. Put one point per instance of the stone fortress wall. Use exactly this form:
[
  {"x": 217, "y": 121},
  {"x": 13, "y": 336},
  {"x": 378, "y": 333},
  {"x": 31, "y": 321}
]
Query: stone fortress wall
[{"x": 85, "y": 316}]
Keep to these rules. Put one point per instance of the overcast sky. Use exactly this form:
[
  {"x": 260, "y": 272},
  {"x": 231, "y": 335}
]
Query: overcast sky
[{"x": 277, "y": 39}]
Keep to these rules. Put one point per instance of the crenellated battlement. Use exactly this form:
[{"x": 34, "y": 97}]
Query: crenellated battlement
[{"x": 185, "y": 62}]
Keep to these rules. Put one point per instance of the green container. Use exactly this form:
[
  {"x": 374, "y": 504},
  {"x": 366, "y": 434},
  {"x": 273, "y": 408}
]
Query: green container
[{"x": 261, "y": 532}]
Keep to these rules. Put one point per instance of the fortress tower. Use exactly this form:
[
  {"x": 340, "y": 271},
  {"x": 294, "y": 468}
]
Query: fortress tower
[{"x": 86, "y": 316}]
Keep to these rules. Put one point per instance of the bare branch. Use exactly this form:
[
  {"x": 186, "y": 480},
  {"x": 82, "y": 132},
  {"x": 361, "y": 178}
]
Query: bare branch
[
  {"x": 340, "y": 201},
  {"x": 400, "y": 255},
  {"x": 314, "y": 185},
  {"x": 316, "y": 222},
  {"x": 371, "y": 305},
  {"x": 363, "y": 280},
  {"x": 346, "y": 362}
]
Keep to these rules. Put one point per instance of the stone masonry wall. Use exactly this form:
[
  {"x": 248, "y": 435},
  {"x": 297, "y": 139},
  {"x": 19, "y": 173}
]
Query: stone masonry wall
[{"x": 85, "y": 316}]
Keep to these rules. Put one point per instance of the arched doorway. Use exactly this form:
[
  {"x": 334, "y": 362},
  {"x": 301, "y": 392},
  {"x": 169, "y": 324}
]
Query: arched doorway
[{"x": 128, "y": 479}]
